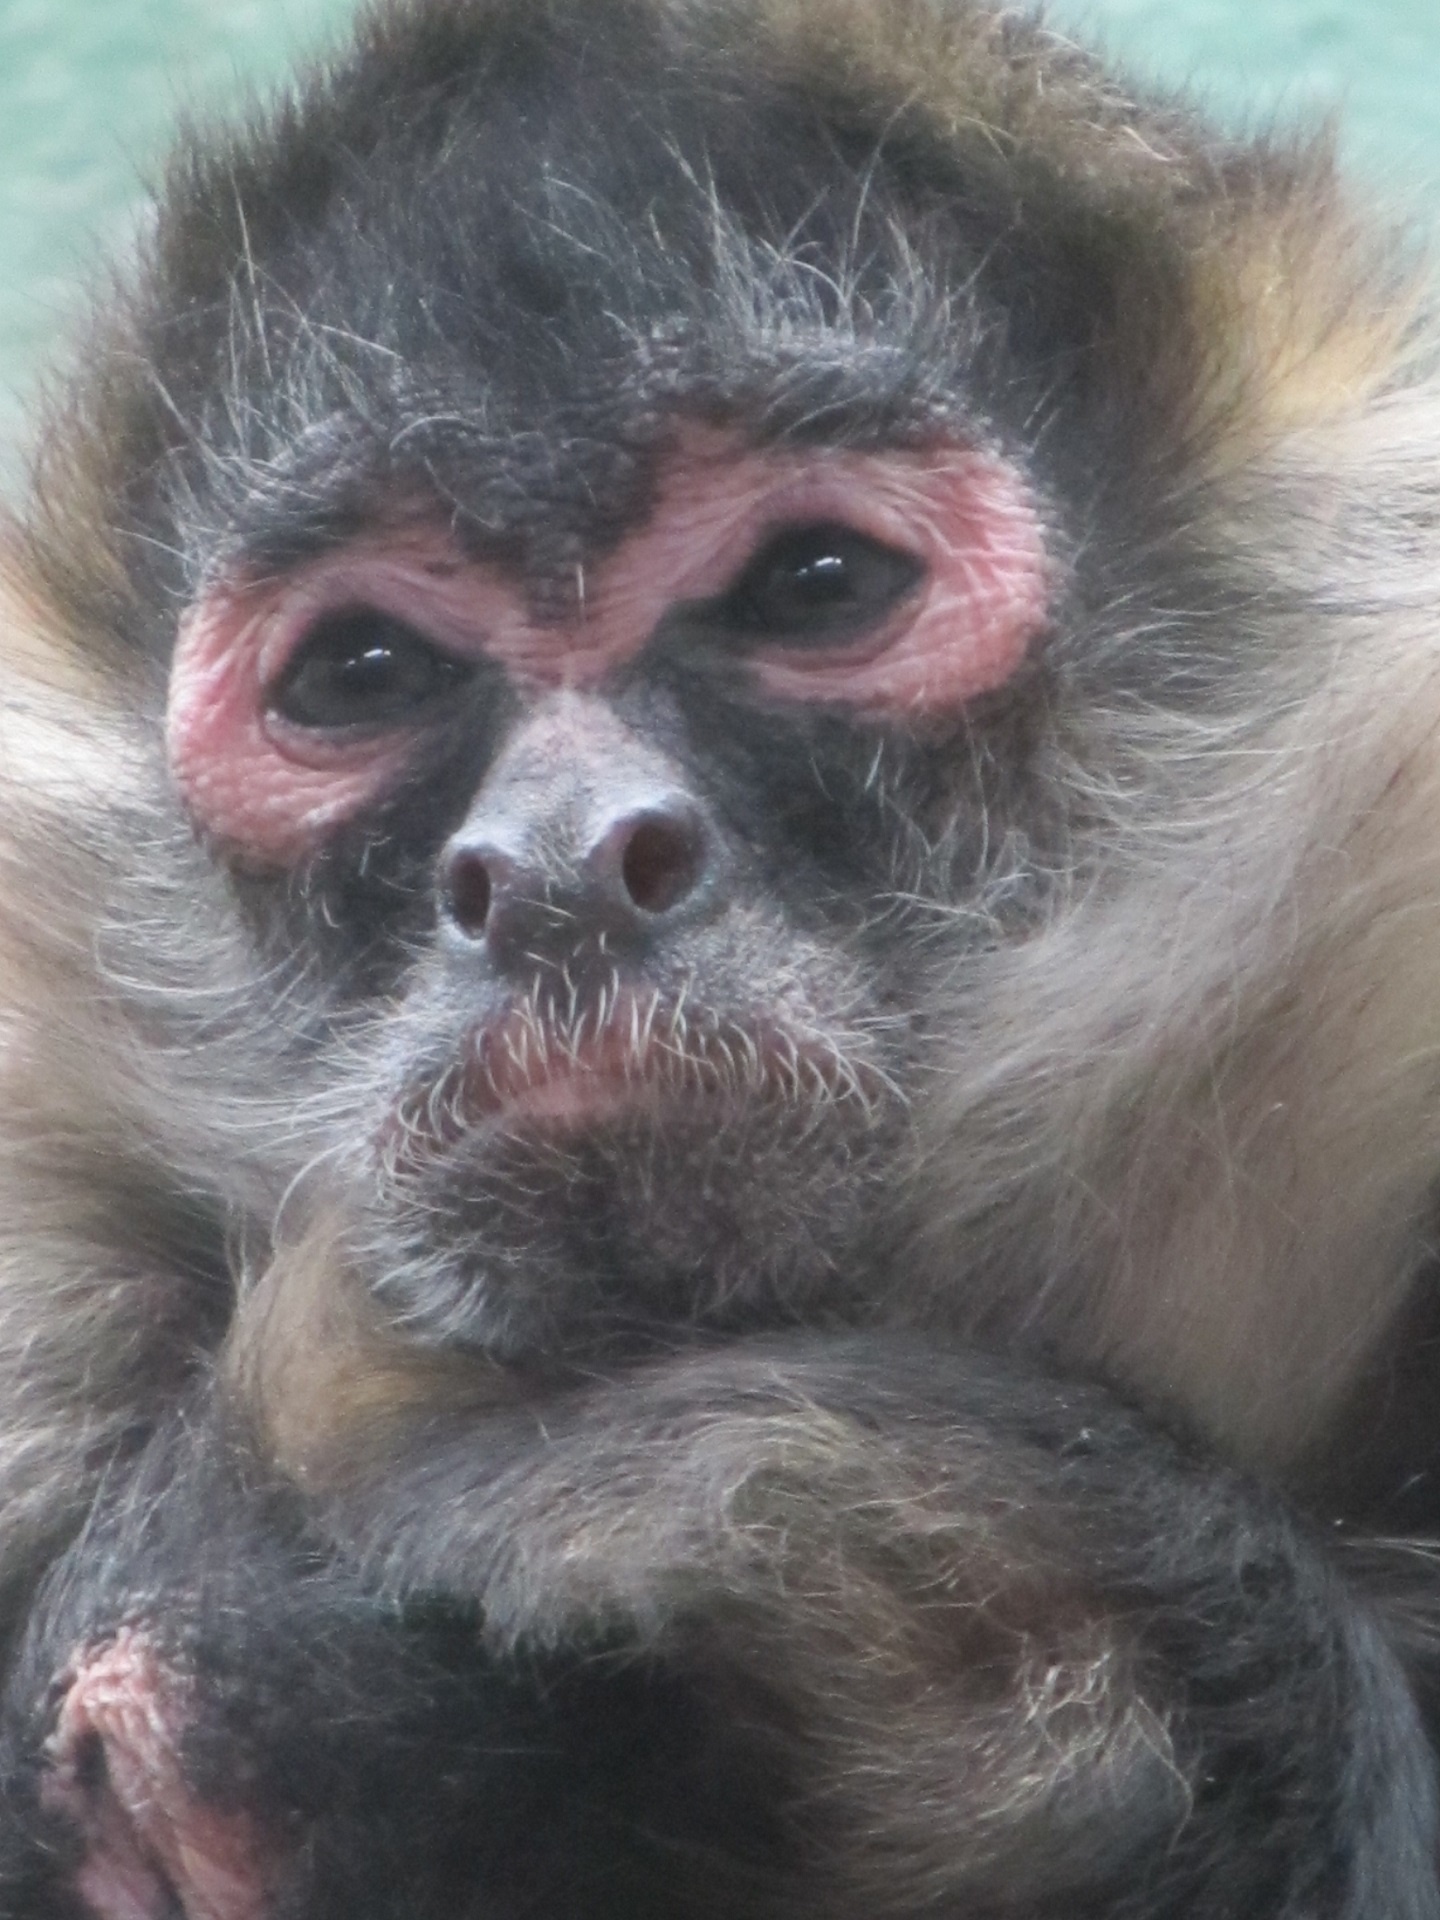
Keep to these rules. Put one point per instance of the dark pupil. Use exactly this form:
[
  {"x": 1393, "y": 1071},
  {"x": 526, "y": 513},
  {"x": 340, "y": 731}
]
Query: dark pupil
[
  {"x": 361, "y": 668},
  {"x": 820, "y": 581}
]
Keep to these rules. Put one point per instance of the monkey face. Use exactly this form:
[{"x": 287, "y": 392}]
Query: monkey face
[{"x": 630, "y": 831}]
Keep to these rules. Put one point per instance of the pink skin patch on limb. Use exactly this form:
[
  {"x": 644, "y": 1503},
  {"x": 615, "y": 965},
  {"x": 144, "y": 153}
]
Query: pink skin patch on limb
[
  {"x": 273, "y": 791},
  {"x": 149, "y": 1846}
]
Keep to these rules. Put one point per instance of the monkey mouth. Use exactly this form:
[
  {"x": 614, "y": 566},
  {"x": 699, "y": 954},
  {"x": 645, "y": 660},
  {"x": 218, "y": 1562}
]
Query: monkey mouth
[{"x": 531, "y": 1069}]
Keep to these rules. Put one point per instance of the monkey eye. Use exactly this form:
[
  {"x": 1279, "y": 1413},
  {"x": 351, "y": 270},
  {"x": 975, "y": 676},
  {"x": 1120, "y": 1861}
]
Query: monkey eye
[
  {"x": 358, "y": 667},
  {"x": 819, "y": 582}
]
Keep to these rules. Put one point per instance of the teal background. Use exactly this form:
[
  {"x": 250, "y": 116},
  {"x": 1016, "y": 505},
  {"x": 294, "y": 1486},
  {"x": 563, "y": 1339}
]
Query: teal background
[{"x": 88, "y": 89}]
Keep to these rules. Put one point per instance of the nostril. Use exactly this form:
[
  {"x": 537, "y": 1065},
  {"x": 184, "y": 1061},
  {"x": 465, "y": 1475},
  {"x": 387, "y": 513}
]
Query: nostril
[
  {"x": 660, "y": 864},
  {"x": 468, "y": 892},
  {"x": 645, "y": 861}
]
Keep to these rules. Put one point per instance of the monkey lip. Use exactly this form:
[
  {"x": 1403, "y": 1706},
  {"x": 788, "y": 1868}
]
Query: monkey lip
[{"x": 535, "y": 1071}]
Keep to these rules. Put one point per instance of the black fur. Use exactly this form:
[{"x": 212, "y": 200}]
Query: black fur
[{"x": 692, "y": 1729}]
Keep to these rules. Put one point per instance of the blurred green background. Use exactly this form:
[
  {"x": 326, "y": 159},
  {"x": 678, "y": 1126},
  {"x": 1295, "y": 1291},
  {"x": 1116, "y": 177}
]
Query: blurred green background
[{"x": 89, "y": 87}]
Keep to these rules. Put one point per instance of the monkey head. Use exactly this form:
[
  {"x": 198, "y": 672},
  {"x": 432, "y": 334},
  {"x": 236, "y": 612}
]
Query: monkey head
[
  {"x": 598, "y": 675},
  {"x": 700, "y": 617}
]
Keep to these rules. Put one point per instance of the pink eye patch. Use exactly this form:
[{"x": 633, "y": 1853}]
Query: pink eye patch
[{"x": 961, "y": 520}]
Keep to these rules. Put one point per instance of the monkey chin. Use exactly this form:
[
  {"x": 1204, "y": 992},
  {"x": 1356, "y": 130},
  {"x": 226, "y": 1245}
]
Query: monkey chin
[
  {"x": 592, "y": 1215},
  {"x": 578, "y": 1179}
]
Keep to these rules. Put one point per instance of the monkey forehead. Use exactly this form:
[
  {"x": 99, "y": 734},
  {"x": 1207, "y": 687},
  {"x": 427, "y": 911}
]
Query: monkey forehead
[
  {"x": 274, "y": 789},
  {"x": 496, "y": 279}
]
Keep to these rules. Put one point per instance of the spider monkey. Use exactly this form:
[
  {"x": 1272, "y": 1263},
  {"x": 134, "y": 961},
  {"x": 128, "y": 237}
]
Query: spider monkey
[{"x": 719, "y": 1119}]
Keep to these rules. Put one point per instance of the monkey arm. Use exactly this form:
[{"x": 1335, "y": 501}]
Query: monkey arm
[
  {"x": 970, "y": 1588},
  {"x": 726, "y": 1633}
]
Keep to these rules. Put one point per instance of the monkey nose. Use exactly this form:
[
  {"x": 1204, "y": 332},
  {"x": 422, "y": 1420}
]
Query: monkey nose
[{"x": 638, "y": 866}]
